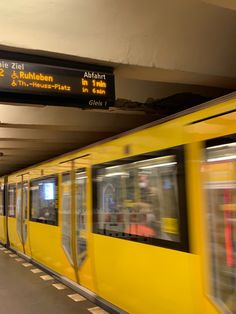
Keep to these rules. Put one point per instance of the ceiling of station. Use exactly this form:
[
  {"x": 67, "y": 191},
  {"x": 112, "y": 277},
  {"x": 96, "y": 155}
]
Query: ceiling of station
[
  {"x": 229, "y": 4},
  {"x": 29, "y": 135},
  {"x": 181, "y": 41}
]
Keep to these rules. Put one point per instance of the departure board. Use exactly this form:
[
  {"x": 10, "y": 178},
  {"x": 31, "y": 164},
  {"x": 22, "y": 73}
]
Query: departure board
[{"x": 40, "y": 83}]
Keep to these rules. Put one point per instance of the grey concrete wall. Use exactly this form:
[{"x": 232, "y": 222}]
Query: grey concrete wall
[{"x": 185, "y": 35}]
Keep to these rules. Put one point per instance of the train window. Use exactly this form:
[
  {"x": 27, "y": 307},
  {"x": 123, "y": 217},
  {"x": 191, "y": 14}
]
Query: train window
[
  {"x": 220, "y": 189},
  {"x": 2, "y": 212},
  {"x": 18, "y": 210},
  {"x": 81, "y": 181},
  {"x": 21, "y": 209},
  {"x": 11, "y": 196},
  {"x": 142, "y": 199},
  {"x": 43, "y": 199},
  {"x": 66, "y": 217},
  {"x": 81, "y": 219}
]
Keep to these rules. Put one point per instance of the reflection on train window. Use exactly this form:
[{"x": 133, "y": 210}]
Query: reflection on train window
[
  {"x": 81, "y": 180},
  {"x": 2, "y": 213},
  {"x": 139, "y": 199},
  {"x": 43, "y": 200},
  {"x": 220, "y": 188},
  {"x": 80, "y": 211},
  {"x": 11, "y": 196},
  {"x": 21, "y": 210},
  {"x": 66, "y": 217}
]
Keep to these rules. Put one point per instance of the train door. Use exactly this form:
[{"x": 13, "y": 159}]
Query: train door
[
  {"x": 75, "y": 222},
  {"x": 22, "y": 215},
  {"x": 213, "y": 169}
]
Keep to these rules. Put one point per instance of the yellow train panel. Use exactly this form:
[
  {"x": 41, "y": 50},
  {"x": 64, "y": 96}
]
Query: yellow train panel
[
  {"x": 46, "y": 248},
  {"x": 3, "y": 229},
  {"x": 14, "y": 239},
  {"x": 144, "y": 279}
]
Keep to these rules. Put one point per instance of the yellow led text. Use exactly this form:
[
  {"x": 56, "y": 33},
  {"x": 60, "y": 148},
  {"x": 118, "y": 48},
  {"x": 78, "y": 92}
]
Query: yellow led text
[{"x": 35, "y": 76}]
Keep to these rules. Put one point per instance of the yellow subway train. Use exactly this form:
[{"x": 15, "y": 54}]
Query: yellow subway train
[{"x": 144, "y": 222}]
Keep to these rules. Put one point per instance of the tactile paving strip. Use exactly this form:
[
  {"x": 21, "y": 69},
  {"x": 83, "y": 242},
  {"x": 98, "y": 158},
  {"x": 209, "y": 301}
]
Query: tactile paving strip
[{"x": 77, "y": 298}]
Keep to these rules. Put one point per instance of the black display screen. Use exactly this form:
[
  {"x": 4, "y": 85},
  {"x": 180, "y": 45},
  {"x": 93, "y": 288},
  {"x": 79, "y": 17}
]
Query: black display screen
[{"x": 83, "y": 86}]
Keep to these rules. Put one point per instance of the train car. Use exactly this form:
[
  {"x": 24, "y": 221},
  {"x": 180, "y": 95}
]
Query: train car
[{"x": 145, "y": 222}]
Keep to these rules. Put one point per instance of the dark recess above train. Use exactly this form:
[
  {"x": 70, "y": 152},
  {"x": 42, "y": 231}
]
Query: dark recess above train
[
  {"x": 31, "y": 79},
  {"x": 165, "y": 106}
]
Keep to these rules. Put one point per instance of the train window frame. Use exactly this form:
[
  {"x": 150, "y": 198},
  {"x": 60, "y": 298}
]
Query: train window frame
[
  {"x": 183, "y": 243},
  {"x": 3, "y": 213},
  {"x": 44, "y": 221},
  {"x": 10, "y": 185}
]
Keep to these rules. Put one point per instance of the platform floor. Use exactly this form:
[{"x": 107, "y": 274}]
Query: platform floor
[{"x": 23, "y": 291}]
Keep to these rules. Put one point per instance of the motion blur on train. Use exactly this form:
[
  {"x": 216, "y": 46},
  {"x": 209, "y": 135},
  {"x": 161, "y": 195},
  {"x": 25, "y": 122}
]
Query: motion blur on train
[{"x": 145, "y": 221}]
